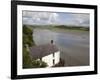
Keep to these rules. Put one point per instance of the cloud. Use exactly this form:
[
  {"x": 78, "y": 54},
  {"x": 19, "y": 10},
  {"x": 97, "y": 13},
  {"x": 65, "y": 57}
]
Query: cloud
[
  {"x": 46, "y": 17},
  {"x": 82, "y": 19},
  {"x": 43, "y": 18},
  {"x": 53, "y": 18}
]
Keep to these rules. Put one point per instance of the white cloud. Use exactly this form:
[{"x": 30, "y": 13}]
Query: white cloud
[
  {"x": 82, "y": 19},
  {"x": 53, "y": 18},
  {"x": 31, "y": 17},
  {"x": 41, "y": 16}
]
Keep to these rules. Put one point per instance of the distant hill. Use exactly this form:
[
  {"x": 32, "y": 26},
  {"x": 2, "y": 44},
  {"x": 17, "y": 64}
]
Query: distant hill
[
  {"x": 85, "y": 28},
  {"x": 73, "y": 27}
]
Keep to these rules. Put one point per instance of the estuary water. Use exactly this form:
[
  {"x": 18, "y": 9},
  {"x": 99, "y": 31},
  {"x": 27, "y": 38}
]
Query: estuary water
[{"x": 73, "y": 45}]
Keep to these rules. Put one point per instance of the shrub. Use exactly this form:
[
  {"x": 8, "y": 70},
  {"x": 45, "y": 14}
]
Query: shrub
[{"x": 39, "y": 64}]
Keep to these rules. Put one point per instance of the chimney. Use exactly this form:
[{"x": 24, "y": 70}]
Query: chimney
[{"x": 51, "y": 41}]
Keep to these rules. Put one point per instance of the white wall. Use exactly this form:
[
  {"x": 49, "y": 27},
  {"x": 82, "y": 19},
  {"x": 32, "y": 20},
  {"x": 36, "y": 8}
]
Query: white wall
[
  {"x": 57, "y": 57},
  {"x": 49, "y": 58},
  {"x": 5, "y": 29}
]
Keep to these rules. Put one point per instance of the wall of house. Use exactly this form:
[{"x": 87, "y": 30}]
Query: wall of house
[
  {"x": 57, "y": 57},
  {"x": 49, "y": 59}
]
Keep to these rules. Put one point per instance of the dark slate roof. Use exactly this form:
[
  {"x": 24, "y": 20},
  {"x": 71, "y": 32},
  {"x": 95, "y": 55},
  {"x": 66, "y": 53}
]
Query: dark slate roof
[{"x": 42, "y": 50}]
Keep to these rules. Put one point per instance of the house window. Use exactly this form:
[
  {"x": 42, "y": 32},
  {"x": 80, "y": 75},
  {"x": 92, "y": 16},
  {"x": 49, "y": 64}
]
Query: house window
[{"x": 53, "y": 61}]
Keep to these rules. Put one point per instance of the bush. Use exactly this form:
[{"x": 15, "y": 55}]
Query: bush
[
  {"x": 39, "y": 64},
  {"x": 43, "y": 64}
]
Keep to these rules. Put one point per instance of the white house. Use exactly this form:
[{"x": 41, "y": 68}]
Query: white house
[{"x": 48, "y": 53}]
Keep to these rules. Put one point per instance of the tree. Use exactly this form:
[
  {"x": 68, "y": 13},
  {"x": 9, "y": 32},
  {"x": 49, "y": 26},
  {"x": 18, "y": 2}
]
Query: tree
[
  {"x": 27, "y": 36},
  {"x": 28, "y": 62}
]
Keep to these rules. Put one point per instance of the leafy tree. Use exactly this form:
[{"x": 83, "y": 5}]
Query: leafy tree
[
  {"x": 28, "y": 62},
  {"x": 27, "y": 36},
  {"x": 27, "y": 30}
]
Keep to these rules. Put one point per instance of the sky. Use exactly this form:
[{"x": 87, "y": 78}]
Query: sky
[{"x": 55, "y": 18}]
